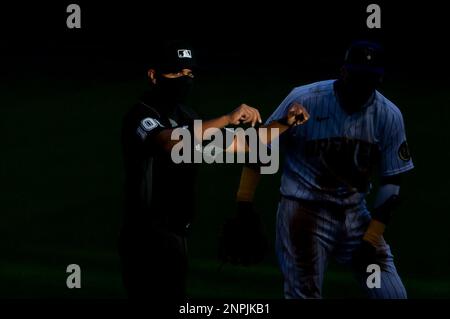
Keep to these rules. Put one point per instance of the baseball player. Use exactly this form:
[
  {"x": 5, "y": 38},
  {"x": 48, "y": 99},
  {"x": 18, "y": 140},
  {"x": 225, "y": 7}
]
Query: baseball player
[
  {"x": 159, "y": 194},
  {"x": 354, "y": 133}
]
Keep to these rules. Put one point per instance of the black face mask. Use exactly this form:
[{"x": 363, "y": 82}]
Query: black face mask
[
  {"x": 175, "y": 90},
  {"x": 356, "y": 90}
]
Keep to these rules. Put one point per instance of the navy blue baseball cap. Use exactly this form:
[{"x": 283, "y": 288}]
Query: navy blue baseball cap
[{"x": 365, "y": 56}]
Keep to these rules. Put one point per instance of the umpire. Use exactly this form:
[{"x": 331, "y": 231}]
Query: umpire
[{"x": 159, "y": 194}]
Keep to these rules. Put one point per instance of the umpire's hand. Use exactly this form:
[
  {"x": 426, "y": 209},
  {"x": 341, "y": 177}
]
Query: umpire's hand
[
  {"x": 244, "y": 114},
  {"x": 242, "y": 240}
]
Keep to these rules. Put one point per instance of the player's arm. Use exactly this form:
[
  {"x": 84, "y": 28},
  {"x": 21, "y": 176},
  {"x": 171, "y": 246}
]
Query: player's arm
[
  {"x": 395, "y": 162},
  {"x": 296, "y": 115},
  {"x": 386, "y": 201},
  {"x": 242, "y": 114},
  {"x": 242, "y": 240},
  {"x": 288, "y": 114},
  {"x": 250, "y": 176}
]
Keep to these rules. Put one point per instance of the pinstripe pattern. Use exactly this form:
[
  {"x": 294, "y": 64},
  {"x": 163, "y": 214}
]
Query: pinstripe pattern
[
  {"x": 306, "y": 238},
  {"x": 328, "y": 159},
  {"x": 379, "y": 125}
]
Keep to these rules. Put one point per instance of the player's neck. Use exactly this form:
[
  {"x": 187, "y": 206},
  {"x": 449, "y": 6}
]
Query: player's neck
[{"x": 348, "y": 100}]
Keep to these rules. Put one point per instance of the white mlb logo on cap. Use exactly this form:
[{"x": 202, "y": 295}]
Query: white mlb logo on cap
[{"x": 183, "y": 53}]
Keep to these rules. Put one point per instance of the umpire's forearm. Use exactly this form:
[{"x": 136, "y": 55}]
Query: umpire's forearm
[
  {"x": 166, "y": 139},
  {"x": 217, "y": 123}
]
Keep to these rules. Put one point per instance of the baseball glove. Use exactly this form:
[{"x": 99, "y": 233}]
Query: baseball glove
[{"x": 242, "y": 240}]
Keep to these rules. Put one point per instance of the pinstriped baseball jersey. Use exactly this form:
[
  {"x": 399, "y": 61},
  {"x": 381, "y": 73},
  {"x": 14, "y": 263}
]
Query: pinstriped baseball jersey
[{"x": 333, "y": 156}]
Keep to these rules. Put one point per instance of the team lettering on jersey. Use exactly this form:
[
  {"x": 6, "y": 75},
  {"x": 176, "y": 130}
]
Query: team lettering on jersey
[{"x": 343, "y": 161}]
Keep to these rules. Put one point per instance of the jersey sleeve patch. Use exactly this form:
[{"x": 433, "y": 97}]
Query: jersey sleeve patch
[
  {"x": 147, "y": 125},
  {"x": 403, "y": 152}
]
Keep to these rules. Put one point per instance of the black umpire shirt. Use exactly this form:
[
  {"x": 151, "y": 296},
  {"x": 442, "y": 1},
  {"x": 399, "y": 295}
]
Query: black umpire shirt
[{"x": 157, "y": 191}]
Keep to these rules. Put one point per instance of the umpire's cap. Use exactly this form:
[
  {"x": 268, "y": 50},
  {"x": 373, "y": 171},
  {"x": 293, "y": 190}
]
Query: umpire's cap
[
  {"x": 365, "y": 56},
  {"x": 174, "y": 56}
]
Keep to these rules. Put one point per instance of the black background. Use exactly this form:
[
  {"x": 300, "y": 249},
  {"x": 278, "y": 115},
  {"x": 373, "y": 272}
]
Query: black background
[{"x": 63, "y": 93}]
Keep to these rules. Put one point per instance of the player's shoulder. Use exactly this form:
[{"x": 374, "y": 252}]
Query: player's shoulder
[
  {"x": 314, "y": 89},
  {"x": 387, "y": 107}
]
